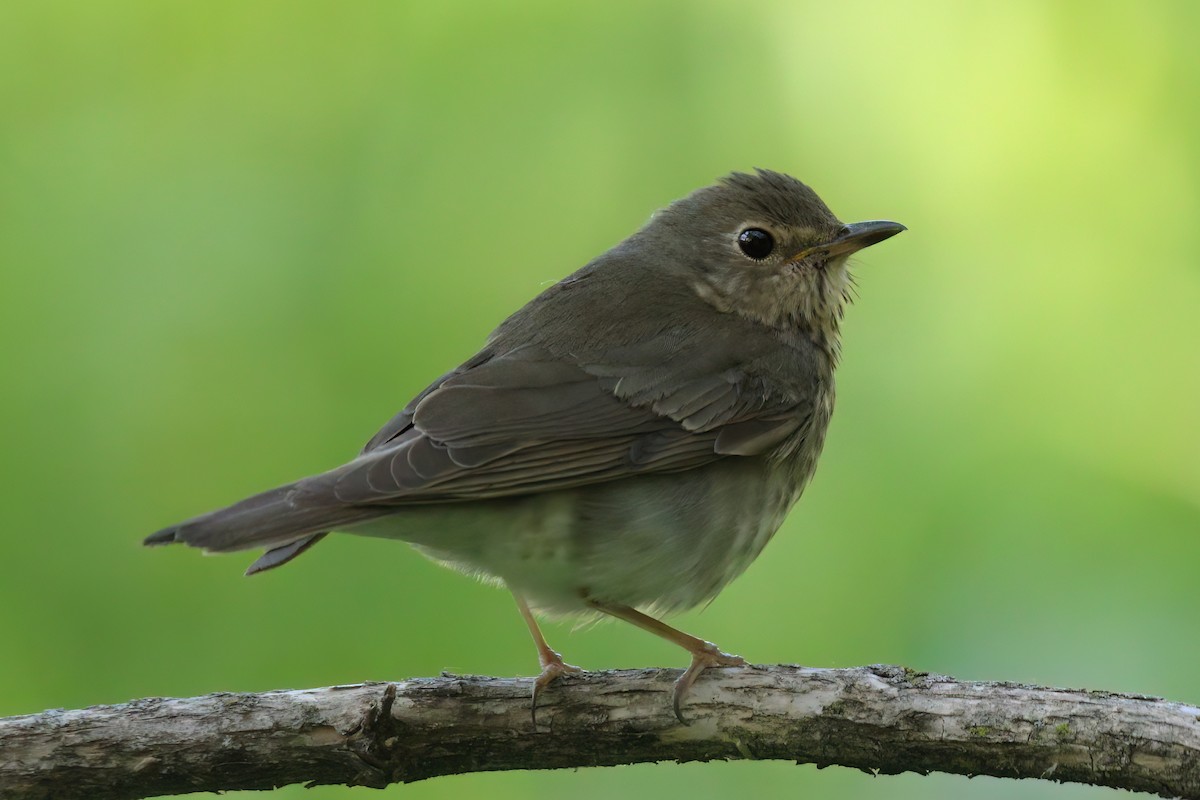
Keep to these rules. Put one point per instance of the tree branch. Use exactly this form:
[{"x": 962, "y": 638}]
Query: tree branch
[{"x": 880, "y": 719}]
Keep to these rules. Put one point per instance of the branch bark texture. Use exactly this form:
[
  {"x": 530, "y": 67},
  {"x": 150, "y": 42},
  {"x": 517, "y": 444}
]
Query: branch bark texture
[{"x": 880, "y": 719}]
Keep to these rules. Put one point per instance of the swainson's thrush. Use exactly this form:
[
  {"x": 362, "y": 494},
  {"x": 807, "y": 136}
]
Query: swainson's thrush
[{"x": 625, "y": 444}]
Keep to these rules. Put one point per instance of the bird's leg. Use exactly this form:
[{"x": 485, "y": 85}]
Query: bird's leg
[
  {"x": 552, "y": 664},
  {"x": 704, "y": 654}
]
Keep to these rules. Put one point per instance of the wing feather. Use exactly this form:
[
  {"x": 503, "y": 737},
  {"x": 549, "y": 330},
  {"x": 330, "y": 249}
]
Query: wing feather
[{"x": 532, "y": 420}]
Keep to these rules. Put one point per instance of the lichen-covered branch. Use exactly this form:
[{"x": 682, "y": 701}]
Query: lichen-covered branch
[{"x": 882, "y": 719}]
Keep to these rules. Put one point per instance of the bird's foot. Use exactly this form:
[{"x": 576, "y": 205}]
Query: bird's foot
[
  {"x": 702, "y": 658},
  {"x": 553, "y": 668}
]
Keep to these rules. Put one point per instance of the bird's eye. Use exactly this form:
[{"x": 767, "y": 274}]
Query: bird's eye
[{"x": 756, "y": 243}]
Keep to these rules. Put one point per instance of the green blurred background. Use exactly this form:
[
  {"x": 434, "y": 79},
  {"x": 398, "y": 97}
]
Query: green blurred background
[{"x": 237, "y": 236}]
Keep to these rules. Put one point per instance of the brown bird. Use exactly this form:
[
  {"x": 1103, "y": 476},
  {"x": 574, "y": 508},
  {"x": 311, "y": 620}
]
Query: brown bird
[{"x": 625, "y": 444}]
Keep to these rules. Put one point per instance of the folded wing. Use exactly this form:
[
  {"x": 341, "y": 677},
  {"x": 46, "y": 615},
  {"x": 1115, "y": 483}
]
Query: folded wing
[{"x": 529, "y": 421}]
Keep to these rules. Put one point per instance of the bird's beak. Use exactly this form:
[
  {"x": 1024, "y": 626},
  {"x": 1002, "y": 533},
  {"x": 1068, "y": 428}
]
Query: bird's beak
[{"x": 854, "y": 237}]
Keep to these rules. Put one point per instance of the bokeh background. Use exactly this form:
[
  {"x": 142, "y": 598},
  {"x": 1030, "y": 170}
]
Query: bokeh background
[{"x": 236, "y": 237}]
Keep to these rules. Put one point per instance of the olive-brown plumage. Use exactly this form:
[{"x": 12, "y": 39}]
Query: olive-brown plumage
[{"x": 624, "y": 444}]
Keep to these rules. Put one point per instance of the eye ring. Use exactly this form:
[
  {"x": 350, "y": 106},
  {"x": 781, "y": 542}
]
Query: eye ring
[{"x": 755, "y": 243}]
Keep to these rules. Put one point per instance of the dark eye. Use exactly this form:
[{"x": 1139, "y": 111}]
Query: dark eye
[{"x": 756, "y": 243}]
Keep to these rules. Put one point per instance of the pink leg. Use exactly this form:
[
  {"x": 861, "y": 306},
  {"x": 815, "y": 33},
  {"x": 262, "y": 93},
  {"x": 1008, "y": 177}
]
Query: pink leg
[
  {"x": 552, "y": 664},
  {"x": 704, "y": 654}
]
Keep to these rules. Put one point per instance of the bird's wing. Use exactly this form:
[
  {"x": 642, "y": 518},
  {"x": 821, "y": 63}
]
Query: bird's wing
[{"x": 529, "y": 420}]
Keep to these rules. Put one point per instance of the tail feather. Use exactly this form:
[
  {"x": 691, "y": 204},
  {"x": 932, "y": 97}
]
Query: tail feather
[
  {"x": 275, "y": 518},
  {"x": 278, "y": 556}
]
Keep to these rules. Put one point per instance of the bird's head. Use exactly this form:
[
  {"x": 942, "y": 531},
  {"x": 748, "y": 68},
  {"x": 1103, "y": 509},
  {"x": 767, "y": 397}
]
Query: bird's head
[{"x": 764, "y": 246}]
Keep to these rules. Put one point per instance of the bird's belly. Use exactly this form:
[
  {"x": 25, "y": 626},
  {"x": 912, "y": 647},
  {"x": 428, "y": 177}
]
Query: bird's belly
[
  {"x": 657, "y": 542},
  {"x": 671, "y": 542},
  {"x": 524, "y": 542}
]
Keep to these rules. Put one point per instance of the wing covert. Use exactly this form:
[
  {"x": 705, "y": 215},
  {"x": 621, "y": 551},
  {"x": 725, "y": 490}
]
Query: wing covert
[{"x": 529, "y": 420}]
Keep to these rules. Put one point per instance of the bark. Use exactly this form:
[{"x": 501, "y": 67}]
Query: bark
[{"x": 880, "y": 719}]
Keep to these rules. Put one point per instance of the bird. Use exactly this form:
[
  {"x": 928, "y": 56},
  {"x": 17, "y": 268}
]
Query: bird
[{"x": 626, "y": 443}]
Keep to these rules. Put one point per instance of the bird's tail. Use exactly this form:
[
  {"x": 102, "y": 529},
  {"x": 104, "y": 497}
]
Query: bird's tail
[{"x": 271, "y": 519}]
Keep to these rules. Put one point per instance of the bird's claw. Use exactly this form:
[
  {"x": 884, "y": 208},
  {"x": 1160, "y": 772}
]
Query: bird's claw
[
  {"x": 702, "y": 659},
  {"x": 553, "y": 668}
]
